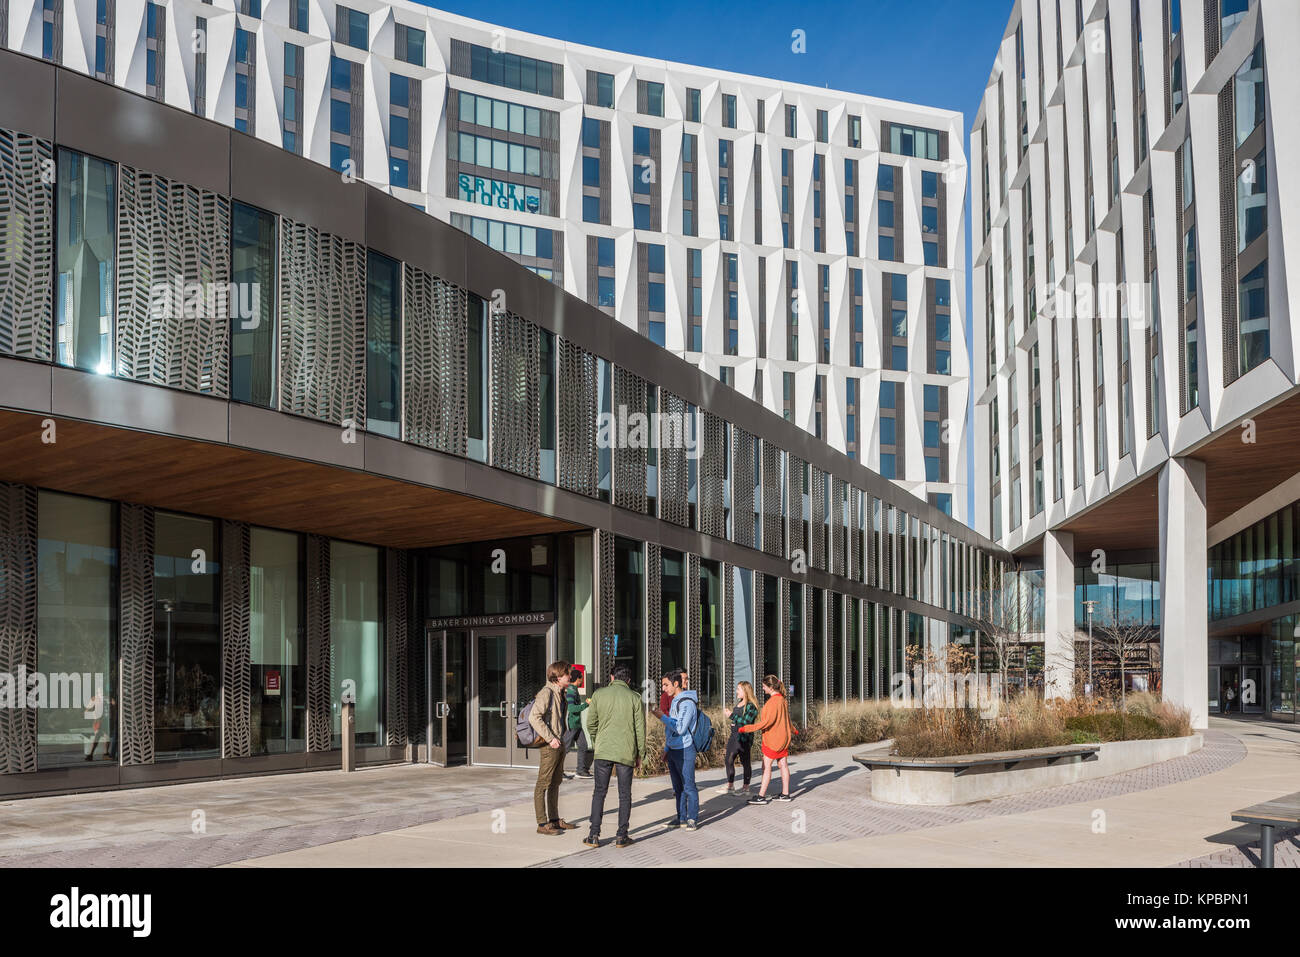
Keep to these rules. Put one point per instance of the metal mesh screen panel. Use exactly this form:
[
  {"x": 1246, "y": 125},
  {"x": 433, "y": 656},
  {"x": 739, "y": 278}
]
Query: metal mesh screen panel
[{"x": 26, "y": 245}]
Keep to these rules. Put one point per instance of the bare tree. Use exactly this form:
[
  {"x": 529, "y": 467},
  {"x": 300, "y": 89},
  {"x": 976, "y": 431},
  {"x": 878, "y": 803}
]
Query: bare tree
[
  {"x": 1004, "y": 615},
  {"x": 1125, "y": 642}
]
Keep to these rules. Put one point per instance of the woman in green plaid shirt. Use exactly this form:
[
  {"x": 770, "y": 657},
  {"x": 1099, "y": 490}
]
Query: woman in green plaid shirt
[{"x": 739, "y": 745}]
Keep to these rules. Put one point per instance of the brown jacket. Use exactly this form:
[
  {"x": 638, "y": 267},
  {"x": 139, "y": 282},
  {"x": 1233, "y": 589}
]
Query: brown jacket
[
  {"x": 774, "y": 723},
  {"x": 547, "y": 715}
]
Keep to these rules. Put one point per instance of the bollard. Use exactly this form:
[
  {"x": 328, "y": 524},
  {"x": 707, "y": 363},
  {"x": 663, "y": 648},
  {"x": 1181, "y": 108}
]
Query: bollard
[{"x": 349, "y": 736}]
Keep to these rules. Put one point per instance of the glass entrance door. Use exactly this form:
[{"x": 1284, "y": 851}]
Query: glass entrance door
[
  {"x": 509, "y": 669},
  {"x": 448, "y": 683}
]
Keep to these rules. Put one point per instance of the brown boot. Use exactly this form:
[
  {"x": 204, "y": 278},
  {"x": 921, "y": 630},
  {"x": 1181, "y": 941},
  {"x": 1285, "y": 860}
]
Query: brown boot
[
  {"x": 548, "y": 828},
  {"x": 564, "y": 825}
]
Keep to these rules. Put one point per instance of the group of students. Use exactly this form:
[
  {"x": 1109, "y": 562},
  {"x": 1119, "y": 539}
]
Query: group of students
[{"x": 616, "y": 721}]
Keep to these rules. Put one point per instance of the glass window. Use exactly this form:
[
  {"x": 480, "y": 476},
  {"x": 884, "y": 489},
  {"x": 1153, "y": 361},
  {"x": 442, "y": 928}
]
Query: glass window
[
  {"x": 655, "y": 296},
  {"x": 252, "y": 305},
  {"x": 383, "y": 345},
  {"x": 655, "y": 257},
  {"x": 605, "y": 89},
  {"x": 886, "y": 214},
  {"x": 358, "y": 29},
  {"x": 1253, "y": 314},
  {"x": 399, "y": 90},
  {"x": 590, "y": 171},
  {"x": 278, "y": 653},
  {"x": 340, "y": 73},
  {"x": 591, "y": 209},
  {"x": 887, "y": 248},
  {"x": 187, "y": 638},
  {"x": 641, "y": 140},
  {"x": 929, "y": 184},
  {"x": 654, "y": 93},
  {"x": 931, "y": 398},
  {"x": 629, "y": 609},
  {"x": 641, "y": 215},
  {"x": 76, "y": 628},
  {"x": 931, "y": 251},
  {"x": 477, "y": 389},
  {"x": 709, "y": 684},
  {"x": 356, "y": 640},
  {"x": 942, "y": 292},
  {"x": 885, "y": 179},
  {"x": 899, "y": 357},
  {"x": 888, "y": 433},
  {"x": 1252, "y": 201},
  {"x": 341, "y": 117},
  {"x": 414, "y": 46},
  {"x": 929, "y": 219},
  {"x": 86, "y": 246},
  {"x": 605, "y": 251},
  {"x": 591, "y": 133},
  {"x": 887, "y": 469},
  {"x": 605, "y": 290},
  {"x": 887, "y": 395}
]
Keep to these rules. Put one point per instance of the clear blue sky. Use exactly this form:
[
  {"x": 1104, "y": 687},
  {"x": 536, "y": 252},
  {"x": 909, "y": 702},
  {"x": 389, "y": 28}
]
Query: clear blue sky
[{"x": 933, "y": 52}]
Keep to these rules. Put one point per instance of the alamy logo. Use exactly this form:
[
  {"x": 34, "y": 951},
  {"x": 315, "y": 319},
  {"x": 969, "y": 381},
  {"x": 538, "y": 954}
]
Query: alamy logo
[
  {"x": 929, "y": 688},
  {"x": 637, "y": 430},
  {"x": 75, "y": 910},
  {"x": 58, "y": 689},
  {"x": 197, "y": 300}
]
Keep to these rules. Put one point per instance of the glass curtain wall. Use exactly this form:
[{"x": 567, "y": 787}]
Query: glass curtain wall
[
  {"x": 672, "y": 614},
  {"x": 383, "y": 345},
  {"x": 86, "y": 211},
  {"x": 278, "y": 655},
  {"x": 356, "y": 639},
  {"x": 76, "y": 627},
  {"x": 710, "y": 682},
  {"x": 742, "y": 618},
  {"x": 628, "y": 640},
  {"x": 795, "y": 635},
  {"x": 771, "y": 636},
  {"x": 576, "y": 614},
  {"x": 252, "y": 324},
  {"x": 187, "y": 638}
]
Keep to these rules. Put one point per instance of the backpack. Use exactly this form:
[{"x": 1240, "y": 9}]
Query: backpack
[
  {"x": 525, "y": 734},
  {"x": 702, "y": 736}
]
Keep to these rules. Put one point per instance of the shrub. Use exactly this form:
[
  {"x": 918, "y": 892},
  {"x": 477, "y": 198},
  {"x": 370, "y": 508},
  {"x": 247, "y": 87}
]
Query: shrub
[
  {"x": 1118, "y": 726},
  {"x": 834, "y": 725}
]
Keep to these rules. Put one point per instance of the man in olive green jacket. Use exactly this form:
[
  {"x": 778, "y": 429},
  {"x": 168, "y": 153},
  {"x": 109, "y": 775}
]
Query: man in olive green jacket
[{"x": 616, "y": 720}]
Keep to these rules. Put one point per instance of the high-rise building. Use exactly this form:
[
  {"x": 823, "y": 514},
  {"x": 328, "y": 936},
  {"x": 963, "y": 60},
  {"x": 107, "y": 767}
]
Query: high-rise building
[
  {"x": 1135, "y": 358},
  {"x": 803, "y": 245}
]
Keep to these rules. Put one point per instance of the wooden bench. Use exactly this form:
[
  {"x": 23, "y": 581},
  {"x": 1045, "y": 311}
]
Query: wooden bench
[{"x": 1280, "y": 812}]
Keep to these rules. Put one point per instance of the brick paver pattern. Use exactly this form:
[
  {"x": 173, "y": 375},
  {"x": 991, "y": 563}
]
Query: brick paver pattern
[{"x": 832, "y": 803}]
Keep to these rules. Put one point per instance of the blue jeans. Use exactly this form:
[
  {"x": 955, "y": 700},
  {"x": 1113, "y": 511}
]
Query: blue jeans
[{"x": 681, "y": 769}]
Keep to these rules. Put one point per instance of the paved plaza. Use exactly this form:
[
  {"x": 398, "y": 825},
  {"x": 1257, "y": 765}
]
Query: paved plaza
[{"x": 1177, "y": 813}]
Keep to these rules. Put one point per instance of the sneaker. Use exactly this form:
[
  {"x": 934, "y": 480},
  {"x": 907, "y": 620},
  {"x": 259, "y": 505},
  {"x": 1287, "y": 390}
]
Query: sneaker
[
  {"x": 548, "y": 829},
  {"x": 740, "y": 789},
  {"x": 725, "y": 789},
  {"x": 783, "y": 798},
  {"x": 569, "y": 775},
  {"x": 585, "y": 774},
  {"x": 673, "y": 823},
  {"x": 692, "y": 826},
  {"x": 623, "y": 841},
  {"x": 565, "y": 825},
  {"x": 592, "y": 841},
  {"x": 757, "y": 799}
]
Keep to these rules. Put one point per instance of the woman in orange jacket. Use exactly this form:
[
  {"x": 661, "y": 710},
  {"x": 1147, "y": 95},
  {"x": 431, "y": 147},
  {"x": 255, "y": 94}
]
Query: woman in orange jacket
[{"x": 774, "y": 723}]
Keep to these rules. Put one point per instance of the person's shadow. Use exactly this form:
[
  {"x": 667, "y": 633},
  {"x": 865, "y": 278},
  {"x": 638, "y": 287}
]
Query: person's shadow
[{"x": 716, "y": 808}]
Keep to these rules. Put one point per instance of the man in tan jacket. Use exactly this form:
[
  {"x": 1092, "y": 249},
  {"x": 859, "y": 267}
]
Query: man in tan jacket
[{"x": 547, "y": 719}]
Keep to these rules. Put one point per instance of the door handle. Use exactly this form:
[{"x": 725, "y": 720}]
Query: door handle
[
  {"x": 440, "y": 710},
  {"x": 504, "y": 706}
]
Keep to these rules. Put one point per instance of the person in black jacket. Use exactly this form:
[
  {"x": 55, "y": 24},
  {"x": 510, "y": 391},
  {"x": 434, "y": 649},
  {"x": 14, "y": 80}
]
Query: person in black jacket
[{"x": 740, "y": 745}]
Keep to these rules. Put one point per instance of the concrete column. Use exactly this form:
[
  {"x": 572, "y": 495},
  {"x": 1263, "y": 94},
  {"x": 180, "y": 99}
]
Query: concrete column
[
  {"x": 1058, "y": 614},
  {"x": 1184, "y": 607}
]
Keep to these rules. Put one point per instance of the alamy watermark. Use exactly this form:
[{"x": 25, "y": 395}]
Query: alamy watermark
[
  {"x": 179, "y": 299},
  {"x": 56, "y": 690},
  {"x": 638, "y": 430},
  {"x": 931, "y": 688}
]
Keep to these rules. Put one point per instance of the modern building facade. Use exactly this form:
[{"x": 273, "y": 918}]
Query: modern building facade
[
  {"x": 273, "y": 440},
  {"x": 805, "y": 246},
  {"x": 1135, "y": 359}
]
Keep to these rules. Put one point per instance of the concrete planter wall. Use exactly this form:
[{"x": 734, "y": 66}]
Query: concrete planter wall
[{"x": 949, "y": 785}]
